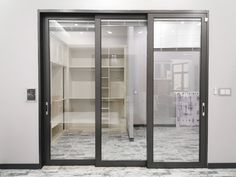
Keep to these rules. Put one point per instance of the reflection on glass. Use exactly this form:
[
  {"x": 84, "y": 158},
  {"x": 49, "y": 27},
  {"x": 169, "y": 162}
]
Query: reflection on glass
[
  {"x": 123, "y": 89},
  {"x": 176, "y": 90},
  {"x": 72, "y": 89}
]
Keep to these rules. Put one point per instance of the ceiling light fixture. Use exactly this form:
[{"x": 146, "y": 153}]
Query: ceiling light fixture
[{"x": 109, "y": 32}]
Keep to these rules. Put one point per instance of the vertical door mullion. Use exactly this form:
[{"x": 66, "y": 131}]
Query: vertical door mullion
[
  {"x": 98, "y": 89},
  {"x": 47, "y": 91},
  {"x": 150, "y": 90},
  {"x": 204, "y": 91}
]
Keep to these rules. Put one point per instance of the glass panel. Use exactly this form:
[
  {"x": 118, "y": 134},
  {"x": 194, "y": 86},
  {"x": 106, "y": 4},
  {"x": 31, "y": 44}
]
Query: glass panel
[
  {"x": 176, "y": 96},
  {"x": 124, "y": 89},
  {"x": 72, "y": 49},
  {"x": 177, "y": 33}
]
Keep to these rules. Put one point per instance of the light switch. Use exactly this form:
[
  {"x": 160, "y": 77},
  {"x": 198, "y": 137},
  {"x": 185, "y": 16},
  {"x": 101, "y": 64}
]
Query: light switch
[
  {"x": 222, "y": 91},
  {"x": 31, "y": 94},
  {"x": 225, "y": 91},
  {"x": 228, "y": 92}
]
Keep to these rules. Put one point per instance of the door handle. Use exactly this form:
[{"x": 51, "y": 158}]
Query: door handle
[
  {"x": 203, "y": 109},
  {"x": 46, "y": 108}
]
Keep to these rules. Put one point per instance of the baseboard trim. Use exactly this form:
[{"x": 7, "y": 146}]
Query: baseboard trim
[
  {"x": 221, "y": 165},
  {"x": 20, "y": 166},
  {"x": 38, "y": 166}
]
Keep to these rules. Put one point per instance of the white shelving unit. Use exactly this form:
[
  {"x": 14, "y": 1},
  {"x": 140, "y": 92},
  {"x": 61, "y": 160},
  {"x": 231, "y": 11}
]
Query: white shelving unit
[
  {"x": 80, "y": 87},
  {"x": 58, "y": 58},
  {"x": 73, "y": 85},
  {"x": 113, "y": 85}
]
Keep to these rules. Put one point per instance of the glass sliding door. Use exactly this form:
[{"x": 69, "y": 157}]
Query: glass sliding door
[
  {"x": 72, "y": 73},
  {"x": 123, "y": 89},
  {"x": 177, "y": 45},
  {"x": 177, "y": 93}
]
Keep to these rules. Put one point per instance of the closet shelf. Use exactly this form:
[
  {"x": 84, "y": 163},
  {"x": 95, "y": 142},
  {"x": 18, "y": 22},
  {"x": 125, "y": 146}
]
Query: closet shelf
[
  {"x": 93, "y": 67},
  {"x": 104, "y": 98},
  {"x": 57, "y": 100},
  {"x": 89, "y": 118},
  {"x": 55, "y": 64},
  {"x": 113, "y": 98},
  {"x": 105, "y": 108},
  {"x": 81, "y": 98},
  {"x": 83, "y": 46},
  {"x": 82, "y": 67},
  {"x": 113, "y": 67},
  {"x": 80, "y": 117}
]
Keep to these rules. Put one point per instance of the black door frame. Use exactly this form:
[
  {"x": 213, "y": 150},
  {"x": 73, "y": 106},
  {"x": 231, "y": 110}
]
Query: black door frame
[
  {"x": 45, "y": 89},
  {"x": 203, "y": 91},
  {"x": 44, "y": 84}
]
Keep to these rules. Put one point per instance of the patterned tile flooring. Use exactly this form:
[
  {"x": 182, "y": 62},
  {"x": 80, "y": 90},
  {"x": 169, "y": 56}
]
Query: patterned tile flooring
[
  {"x": 91, "y": 171},
  {"x": 170, "y": 144}
]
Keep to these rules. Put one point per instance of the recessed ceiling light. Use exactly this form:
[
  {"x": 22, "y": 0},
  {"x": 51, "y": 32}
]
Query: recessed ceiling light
[
  {"x": 109, "y": 32},
  {"x": 182, "y": 22},
  {"x": 76, "y": 24}
]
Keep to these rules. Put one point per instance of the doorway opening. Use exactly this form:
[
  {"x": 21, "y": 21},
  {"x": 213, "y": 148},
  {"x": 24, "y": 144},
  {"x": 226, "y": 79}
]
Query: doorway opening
[{"x": 124, "y": 89}]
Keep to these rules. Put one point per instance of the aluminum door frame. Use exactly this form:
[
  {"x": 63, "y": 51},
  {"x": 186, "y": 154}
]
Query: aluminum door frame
[
  {"x": 44, "y": 84},
  {"x": 203, "y": 91}
]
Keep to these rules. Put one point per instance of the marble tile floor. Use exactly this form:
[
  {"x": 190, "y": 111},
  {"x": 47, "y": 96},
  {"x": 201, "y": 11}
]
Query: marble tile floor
[
  {"x": 91, "y": 171},
  {"x": 173, "y": 144},
  {"x": 170, "y": 144}
]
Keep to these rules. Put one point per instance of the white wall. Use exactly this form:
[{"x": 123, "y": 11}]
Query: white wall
[{"x": 19, "y": 70}]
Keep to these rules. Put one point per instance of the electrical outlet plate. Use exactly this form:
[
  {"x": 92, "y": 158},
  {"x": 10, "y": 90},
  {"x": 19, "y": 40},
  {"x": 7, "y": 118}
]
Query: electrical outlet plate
[{"x": 225, "y": 91}]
